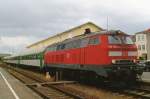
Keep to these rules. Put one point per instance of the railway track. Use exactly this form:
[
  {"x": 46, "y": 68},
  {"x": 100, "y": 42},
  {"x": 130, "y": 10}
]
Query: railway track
[
  {"x": 141, "y": 90},
  {"x": 44, "y": 90},
  {"x": 58, "y": 91},
  {"x": 138, "y": 93}
]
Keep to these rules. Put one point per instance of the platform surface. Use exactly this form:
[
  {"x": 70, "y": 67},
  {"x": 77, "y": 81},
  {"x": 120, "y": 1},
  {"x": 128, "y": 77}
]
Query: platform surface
[
  {"x": 11, "y": 88},
  {"x": 146, "y": 76}
]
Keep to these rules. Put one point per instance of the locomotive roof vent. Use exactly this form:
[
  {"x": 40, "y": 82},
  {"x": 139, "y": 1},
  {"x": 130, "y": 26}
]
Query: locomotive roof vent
[
  {"x": 116, "y": 32},
  {"x": 87, "y": 31}
]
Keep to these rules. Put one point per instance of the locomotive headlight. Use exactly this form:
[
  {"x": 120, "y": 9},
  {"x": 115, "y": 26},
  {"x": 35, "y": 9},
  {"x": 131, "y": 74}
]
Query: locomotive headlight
[
  {"x": 113, "y": 61},
  {"x": 115, "y": 53}
]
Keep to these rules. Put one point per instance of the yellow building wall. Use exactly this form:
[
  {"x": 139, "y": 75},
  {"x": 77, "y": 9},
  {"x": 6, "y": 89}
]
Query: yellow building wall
[{"x": 65, "y": 35}]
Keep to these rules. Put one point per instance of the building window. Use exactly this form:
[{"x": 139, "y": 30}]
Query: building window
[
  {"x": 139, "y": 38},
  {"x": 142, "y": 37},
  {"x": 143, "y": 47},
  {"x": 139, "y": 47}
]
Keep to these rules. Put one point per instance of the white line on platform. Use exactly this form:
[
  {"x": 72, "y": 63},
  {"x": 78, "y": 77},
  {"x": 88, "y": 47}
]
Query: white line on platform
[{"x": 9, "y": 86}]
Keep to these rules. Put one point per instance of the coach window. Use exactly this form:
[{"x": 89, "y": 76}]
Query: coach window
[
  {"x": 39, "y": 55},
  {"x": 48, "y": 49},
  {"x": 52, "y": 48},
  {"x": 28, "y": 56},
  {"x": 34, "y": 57},
  {"x": 94, "y": 41}
]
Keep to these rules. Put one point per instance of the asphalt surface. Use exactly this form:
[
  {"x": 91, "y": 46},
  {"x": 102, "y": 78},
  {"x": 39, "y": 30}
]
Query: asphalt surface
[
  {"x": 11, "y": 88},
  {"x": 146, "y": 76}
]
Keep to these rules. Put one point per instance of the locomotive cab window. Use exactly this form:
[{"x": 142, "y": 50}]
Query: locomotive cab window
[
  {"x": 127, "y": 40},
  {"x": 94, "y": 41},
  {"x": 114, "y": 39}
]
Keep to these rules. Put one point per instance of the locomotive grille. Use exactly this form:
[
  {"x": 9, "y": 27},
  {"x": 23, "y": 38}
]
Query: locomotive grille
[{"x": 124, "y": 62}]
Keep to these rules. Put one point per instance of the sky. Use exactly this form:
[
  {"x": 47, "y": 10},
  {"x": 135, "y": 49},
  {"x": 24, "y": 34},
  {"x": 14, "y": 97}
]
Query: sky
[{"x": 23, "y": 22}]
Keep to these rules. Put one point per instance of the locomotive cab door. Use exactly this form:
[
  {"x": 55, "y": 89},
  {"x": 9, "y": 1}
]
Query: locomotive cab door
[
  {"x": 84, "y": 43},
  {"x": 93, "y": 49}
]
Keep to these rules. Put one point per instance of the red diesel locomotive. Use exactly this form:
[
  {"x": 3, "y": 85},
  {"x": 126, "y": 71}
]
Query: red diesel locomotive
[{"x": 108, "y": 54}]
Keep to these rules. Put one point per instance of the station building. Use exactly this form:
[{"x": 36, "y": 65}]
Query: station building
[
  {"x": 78, "y": 30},
  {"x": 143, "y": 44},
  {"x": 2, "y": 55}
]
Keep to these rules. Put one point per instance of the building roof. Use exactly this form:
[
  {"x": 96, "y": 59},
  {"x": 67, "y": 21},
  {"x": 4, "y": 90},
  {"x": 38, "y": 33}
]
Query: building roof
[
  {"x": 64, "y": 33},
  {"x": 4, "y": 55},
  {"x": 143, "y": 32}
]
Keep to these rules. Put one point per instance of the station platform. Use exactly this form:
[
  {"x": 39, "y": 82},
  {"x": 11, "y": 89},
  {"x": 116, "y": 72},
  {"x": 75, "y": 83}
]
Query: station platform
[
  {"x": 146, "y": 76},
  {"x": 11, "y": 88}
]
